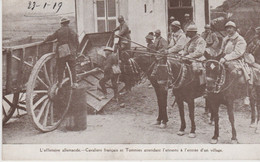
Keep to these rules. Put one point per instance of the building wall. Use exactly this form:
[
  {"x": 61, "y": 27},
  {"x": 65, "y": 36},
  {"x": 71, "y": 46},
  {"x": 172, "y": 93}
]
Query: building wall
[
  {"x": 141, "y": 22},
  {"x": 199, "y": 14}
]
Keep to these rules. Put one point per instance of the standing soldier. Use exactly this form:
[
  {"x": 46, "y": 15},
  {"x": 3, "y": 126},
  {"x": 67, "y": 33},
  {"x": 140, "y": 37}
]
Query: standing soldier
[
  {"x": 111, "y": 59},
  {"x": 124, "y": 44},
  {"x": 211, "y": 40},
  {"x": 66, "y": 49},
  {"x": 170, "y": 29},
  {"x": 178, "y": 40},
  {"x": 187, "y": 22}
]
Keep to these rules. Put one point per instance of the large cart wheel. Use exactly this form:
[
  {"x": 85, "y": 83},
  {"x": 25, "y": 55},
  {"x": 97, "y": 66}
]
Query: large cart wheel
[
  {"x": 46, "y": 102},
  {"x": 9, "y": 104}
]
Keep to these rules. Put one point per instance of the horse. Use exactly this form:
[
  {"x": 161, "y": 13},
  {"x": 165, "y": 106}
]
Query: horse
[
  {"x": 223, "y": 87},
  {"x": 186, "y": 88}
]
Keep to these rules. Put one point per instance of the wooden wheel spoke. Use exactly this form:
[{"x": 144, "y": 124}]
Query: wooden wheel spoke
[
  {"x": 40, "y": 91},
  {"x": 4, "y": 111},
  {"x": 46, "y": 102},
  {"x": 46, "y": 74},
  {"x": 51, "y": 111},
  {"x": 41, "y": 81},
  {"x": 39, "y": 101},
  {"x": 46, "y": 115},
  {"x": 6, "y": 100}
]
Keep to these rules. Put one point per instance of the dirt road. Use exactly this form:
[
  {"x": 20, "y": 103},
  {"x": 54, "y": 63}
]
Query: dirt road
[{"x": 132, "y": 124}]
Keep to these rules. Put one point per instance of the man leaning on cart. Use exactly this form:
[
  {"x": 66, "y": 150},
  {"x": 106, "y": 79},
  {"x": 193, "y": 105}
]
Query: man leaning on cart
[{"x": 66, "y": 49}]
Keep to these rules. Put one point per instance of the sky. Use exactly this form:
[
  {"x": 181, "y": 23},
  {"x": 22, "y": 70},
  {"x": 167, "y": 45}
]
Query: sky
[
  {"x": 21, "y": 6},
  {"x": 215, "y": 3}
]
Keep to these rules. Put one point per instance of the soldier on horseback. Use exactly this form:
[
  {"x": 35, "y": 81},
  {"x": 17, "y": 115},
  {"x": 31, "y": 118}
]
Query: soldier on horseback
[
  {"x": 178, "y": 39},
  {"x": 211, "y": 39},
  {"x": 232, "y": 49},
  {"x": 195, "y": 49}
]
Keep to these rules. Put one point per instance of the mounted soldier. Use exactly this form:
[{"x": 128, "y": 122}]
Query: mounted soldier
[
  {"x": 211, "y": 39},
  {"x": 232, "y": 49},
  {"x": 195, "y": 49},
  {"x": 172, "y": 18},
  {"x": 149, "y": 41},
  {"x": 254, "y": 49},
  {"x": 178, "y": 40}
]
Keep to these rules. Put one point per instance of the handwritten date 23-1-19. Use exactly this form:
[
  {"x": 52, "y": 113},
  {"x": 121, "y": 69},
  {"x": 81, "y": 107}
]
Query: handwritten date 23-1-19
[{"x": 55, "y": 6}]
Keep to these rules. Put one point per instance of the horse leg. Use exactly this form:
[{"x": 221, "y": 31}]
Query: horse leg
[
  {"x": 252, "y": 105},
  {"x": 208, "y": 107},
  {"x": 258, "y": 108},
  {"x": 163, "y": 105},
  {"x": 181, "y": 111},
  {"x": 191, "y": 115},
  {"x": 215, "y": 109},
  {"x": 232, "y": 121},
  {"x": 157, "y": 92}
]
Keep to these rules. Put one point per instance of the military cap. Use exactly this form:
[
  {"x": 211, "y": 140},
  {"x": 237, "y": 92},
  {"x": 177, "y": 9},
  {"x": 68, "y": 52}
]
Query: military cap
[
  {"x": 187, "y": 15},
  {"x": 192, "y": 28},
  {"x": 64, "y": 19},
  {"x": 158, "y": 31},
  {"x": 176, "y": 23},
  {"x": 230, "y": 23},
  {"x": 109, "y": 49},
  {"x": 172, "y": 18},
  {"x": 149, "y": 36},
  {"x": 257, "y": 30},
  {"x": 207, "y": 26}
]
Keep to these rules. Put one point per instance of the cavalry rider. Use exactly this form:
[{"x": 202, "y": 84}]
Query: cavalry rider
[
  {"x": 149, "y": 41},
  {"x": 195, "y": 49},
  {"x": 111, "y": 59},
  {"x": 124, "y": 44},
  {"x": 233, "y": 48},
  {"x": 178, "y": 40},
  {"x": 211, "y": 39},
  {"x": 187, "y": 22},
  {"x": 159, "y": 43},
  {"x": 65, "y": 37}
]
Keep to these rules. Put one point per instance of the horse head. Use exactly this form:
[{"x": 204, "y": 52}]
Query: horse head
[{"x": 215, "y": 76}]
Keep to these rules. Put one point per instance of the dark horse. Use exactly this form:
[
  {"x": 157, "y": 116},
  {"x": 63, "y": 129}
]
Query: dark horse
[
  {"x": 223, "y": 87},
  {"x": 186, "y": 88}
]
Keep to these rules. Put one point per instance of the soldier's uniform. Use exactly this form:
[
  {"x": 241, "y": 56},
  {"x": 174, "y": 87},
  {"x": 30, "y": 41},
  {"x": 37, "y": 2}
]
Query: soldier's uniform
[
  {"x": 65, "y": 35},
  {"x": 211, "y": 40},
  {"x": 178, "y": 40},
  {"x": 111, "y": 59},
  {"x": 186, "y": 24},
  {"x": 160, "y": 43},
  {"x": 233, "y": 48}
]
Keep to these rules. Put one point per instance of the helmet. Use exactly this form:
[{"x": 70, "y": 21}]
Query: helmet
[
  {"x": 109, "y": 49},
  {"x": 64, "y": 19},
  {"x": 158, "y": 31},
  {"x": 149, "y": 36},
  {"x": 230, "y": 23},
  {"x": 172, "y": 18},
  {"x": 207, "y": 26},
  {"x": 187, "y": 15},
  {"x": 176, "y": 23},
  {"x": 192, "y": 28},
  {"x": 120, "y": 17}
]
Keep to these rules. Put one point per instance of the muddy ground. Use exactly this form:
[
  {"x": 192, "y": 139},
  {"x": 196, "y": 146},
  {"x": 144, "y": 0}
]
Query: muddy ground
[{"x": 132, "y": 124}]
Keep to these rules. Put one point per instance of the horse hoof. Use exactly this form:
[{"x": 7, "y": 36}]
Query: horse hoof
[
  {"x": 180, "y": 133},
  {"x": 211, "y": 122},
  {"x": 192, "y": 135},
  {"x": 234, "y": 141},
  {"x": 214, "y": 141}
]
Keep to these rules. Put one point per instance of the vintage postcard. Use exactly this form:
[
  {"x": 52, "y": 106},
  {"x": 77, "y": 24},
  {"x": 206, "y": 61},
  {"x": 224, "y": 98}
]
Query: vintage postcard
[{"x": 130, "y": 79}]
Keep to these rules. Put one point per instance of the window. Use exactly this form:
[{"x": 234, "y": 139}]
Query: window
[
  {"x": 106, "y": 15},
  {"x": 179, "y": 3}
]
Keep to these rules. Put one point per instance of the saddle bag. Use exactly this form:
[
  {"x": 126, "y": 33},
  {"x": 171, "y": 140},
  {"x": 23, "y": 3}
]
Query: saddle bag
[
  {"x": 64, "y": 50},
  {"x": 116, "y": 69}
]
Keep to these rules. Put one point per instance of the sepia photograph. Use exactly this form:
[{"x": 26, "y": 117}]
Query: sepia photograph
[{"x": 130, "y": 79}]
